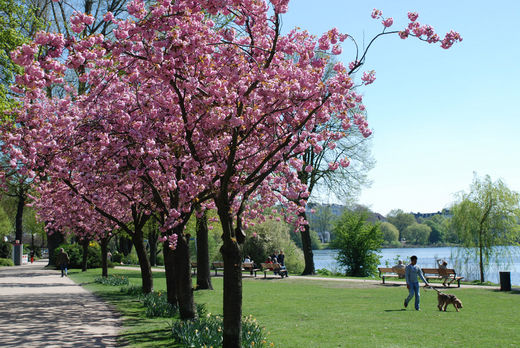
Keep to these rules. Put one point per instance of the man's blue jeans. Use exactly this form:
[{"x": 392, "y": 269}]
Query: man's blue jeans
[
  {"x": 63, "y": 269},
  {"x": 414, "y": 290}
]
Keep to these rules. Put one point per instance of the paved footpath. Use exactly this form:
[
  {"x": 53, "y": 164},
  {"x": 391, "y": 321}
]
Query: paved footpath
[{"x": 39, "y": 308}]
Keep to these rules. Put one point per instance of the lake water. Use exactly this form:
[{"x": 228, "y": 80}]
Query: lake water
[{"x": 427, "y": 258}]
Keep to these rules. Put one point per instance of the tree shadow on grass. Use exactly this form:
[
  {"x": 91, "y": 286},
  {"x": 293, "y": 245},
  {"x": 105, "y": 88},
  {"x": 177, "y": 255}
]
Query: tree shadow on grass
[{"x": 151, "y": 338}]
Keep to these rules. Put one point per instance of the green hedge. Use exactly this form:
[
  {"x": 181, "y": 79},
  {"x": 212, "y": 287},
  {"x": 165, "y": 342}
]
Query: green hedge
[
  {"x": 6, "y": 262},
  {"x": 75, "y": 252}
]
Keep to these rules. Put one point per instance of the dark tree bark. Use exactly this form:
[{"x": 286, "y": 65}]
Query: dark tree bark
[
  {"x": 144, "y": 262},
  {"x": 153, "y": 236},
  {"x": 182, "y": 273},
  {"x": 203, "y": 268},
  {"x": 232, "y": 335},
  {"x": 125, "y": 245},
  {"x": 169, "y": 269},
  {"x": 19, "y": 215},
  {"x": 307, "y": 248},
  {"x": 53, "y": 242},
  {"x": 84, "y": 244},
  {"x": 104, "y": 257}
]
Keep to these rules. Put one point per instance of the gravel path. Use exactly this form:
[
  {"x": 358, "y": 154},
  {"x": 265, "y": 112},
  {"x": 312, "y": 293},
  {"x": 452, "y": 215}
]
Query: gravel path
[{"x": 39, "y": 308}]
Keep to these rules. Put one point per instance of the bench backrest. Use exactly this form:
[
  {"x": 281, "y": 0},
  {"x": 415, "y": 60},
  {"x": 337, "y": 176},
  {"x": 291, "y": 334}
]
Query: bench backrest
[
  {"x": 270, "y": 266},
  {"x": 390, "y": 270},
  {"x": 217, "y": 264},
  {"x": 438, "y": 271},
  {"x": 248, "y": 265}
]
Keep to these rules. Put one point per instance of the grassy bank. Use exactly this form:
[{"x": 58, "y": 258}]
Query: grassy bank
[{"x": 330, "y": 313}]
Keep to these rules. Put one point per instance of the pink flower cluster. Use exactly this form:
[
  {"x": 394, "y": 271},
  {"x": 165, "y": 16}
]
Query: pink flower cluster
[
  {"x": 79, "y": 21},
  {"x": 176, "y": 119},
  {"x": 171, "y": 240}
]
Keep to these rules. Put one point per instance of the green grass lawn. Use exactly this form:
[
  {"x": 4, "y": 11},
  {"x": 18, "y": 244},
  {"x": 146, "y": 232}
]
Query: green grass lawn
[{"x": 314, "y": 313}]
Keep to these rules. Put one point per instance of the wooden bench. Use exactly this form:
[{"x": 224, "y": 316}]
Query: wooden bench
[
  {"x": 440, "y": 274},
  {"x": 250, "y": 267},
  {"x": 275, "y": 268},
  {"x": 389, "y": 272},
  {"x": 217, "y": 266},
  {"x": 246, "y": 266}
]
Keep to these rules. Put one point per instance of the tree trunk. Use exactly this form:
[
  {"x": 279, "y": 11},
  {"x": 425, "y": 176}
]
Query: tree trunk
[
  {"x": 53, "y": 242},
  {"x": 481, "y": 256},
  {"x": 232, "y": 335},
  {"x": 169, "y": 269},
  {"x": 84, "y": 244},
  {"x": 144, "y": 262},
  {"x": 203, "y": 269},
  {"x": 307, "y": 248},
  {"x": 104, "y": 257},
  {"x": 182, "y": 272},
  {"x": 125, "y": 245},
  {"x": 19, "y": 216},
  {"x": 152, "y": 241}
]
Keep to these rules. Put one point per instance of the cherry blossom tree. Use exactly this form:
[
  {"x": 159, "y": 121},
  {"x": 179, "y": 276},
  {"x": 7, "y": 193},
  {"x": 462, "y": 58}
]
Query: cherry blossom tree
[{"x": 179, "y": 113}]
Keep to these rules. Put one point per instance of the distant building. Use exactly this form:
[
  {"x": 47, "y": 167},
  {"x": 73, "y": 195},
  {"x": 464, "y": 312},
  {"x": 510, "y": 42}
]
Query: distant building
[
  {"x": 324, "y": 237},
  {"x": 445, "y": 213}
]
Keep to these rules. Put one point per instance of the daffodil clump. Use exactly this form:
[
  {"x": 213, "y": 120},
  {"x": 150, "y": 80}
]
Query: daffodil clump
[
  {"x": 206, "y": 332},
  {"x": 114, "y": 280}
]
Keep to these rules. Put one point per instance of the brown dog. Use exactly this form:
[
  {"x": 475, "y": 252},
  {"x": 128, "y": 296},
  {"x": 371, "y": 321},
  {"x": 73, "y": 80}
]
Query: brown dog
[{"x": 446, "y": 299}]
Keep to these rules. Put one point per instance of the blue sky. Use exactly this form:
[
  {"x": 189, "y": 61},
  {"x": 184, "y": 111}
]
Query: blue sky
[{"x": 437, "y": 115}]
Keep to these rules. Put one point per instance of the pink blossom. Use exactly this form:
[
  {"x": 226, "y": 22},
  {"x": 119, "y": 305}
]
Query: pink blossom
[
  {"x": 404, "y": 34},
  {"x": 388, "y": 22},
  {"x": 333, "y": 165},
  {"x": 336, "y": 50},
  {"x": 280, "y": 6},
  {"x": 413, "y": 16},
  {"x": 368, "y": 77},
  {"x": 376, "y": 13},
  {"x": 109, "y": 16}
]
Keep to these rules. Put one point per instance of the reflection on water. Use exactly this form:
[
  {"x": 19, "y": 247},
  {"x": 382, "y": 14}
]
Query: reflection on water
[{"x": 427, "y": 258}]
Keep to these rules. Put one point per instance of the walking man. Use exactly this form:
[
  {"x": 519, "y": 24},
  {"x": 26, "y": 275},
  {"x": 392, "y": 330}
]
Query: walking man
[
  {"x": 63, "y": 261},
  {"x": 411, "y": 272}
]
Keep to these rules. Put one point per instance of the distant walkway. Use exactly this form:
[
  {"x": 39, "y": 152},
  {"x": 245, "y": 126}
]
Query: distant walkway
[
  {"x": 39, "y": 308},
  {"x": 365, "y": 282}
]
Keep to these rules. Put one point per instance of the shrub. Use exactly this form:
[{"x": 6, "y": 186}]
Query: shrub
[
  {"x": 206, "y": 331},
  {"x": 116, "y": 257},
  {"x": 75, "y": 252},
  {"x": 5, "y": 249},
  {"x": 160, "y": 260},
  {"x": 269, "y": 236},
  {"x": 358, "y": 242},
  {"x": 112, "y": 280},
  {"x": 130, "y": 259},
  {"x": 157, "y": 305},
  {"x": 6, "y": 262}
]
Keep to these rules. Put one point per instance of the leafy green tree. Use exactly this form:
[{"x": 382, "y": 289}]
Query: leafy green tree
[
  {"x": 439, "y": 225},
  {"x": 401, "y": 220},
  {"x": 322, "y": 218},
  {"x": 487, "y": 217},
  {"x": 390, "y": 233},
  {"x": 315, "y": 240},
  {"x": 271, "y": 236},
  {"x": 358, "y": 242},
  {"x": 5, "y": 224},
  {"x": 417, "y": 233}
]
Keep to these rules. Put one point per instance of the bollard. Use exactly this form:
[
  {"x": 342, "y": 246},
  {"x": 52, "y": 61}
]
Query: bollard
[{"x": 505, "y": 281}]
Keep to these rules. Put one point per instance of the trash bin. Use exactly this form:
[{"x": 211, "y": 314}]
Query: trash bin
[
  {"x": 505, "y": 281},
  {"x": 17, "y": 254}
]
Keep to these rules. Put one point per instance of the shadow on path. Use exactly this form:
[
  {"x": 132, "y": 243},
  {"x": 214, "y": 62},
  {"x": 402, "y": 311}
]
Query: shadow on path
[{"x": 39, "y": 308}]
